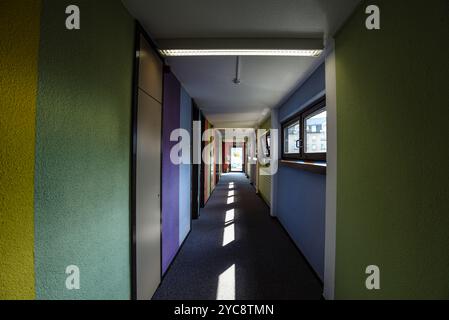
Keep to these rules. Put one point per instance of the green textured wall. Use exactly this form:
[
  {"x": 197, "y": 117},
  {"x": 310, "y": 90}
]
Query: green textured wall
[
  {"x": 82, "y": 151},
  {"x": 18, "y": 86},
  {"x": 392, "y": 113},
  {"x": 265, "y": 179}
]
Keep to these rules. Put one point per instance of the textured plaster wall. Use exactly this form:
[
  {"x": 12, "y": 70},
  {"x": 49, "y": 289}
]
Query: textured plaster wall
[
  {"x": 170, "y": 171},
  {"x": 264, "y": 179},
  {"x": 185, "y": 171},
  {"x": 392, "y": 114},
  {"x": 83, "y": 151},
  {"x": 18, "y": 86},
  {"x": 209, "y": 179},
  {"x": 301, "y": 195},
  {"x": 207, "y": 169}
]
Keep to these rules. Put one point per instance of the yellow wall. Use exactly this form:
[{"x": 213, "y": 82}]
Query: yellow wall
[
  {"x": 19, "y": 34},
  {"x": 264, "y": 172},
  {"x": 265, "y": 184}
]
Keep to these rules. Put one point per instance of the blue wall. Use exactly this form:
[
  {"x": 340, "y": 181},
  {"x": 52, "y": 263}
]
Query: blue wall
[
  {"x": 170, "y": 171},
  {"x": 301, "y": 195},
  {"x": 175, "y": 178},
  {"x": 185, "y": 170}
]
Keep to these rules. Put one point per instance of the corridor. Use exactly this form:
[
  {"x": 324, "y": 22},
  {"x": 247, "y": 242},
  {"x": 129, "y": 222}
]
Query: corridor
[
  {"x": 237, "y": 251},
  {"x": 224, "y": 150}
]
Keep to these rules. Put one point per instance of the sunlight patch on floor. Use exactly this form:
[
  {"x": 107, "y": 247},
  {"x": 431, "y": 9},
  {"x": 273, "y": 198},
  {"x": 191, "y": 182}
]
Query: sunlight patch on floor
[
  {"x": 228, "y": 235},
  {"x": 230, "y": 215},
  {"x": 226, "y": 284}
]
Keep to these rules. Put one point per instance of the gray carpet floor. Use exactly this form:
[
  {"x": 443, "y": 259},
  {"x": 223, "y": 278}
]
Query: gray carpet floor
[{"x": 257, "y": 260}]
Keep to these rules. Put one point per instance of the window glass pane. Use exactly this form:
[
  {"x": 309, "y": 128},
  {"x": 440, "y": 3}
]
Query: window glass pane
[
  {"x": 291, "y": 138},
  {"x": 315, "y": 129}
]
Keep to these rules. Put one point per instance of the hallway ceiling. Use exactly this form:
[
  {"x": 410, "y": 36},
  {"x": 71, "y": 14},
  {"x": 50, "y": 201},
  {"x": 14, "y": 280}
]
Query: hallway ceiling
[{"x": 265, "y": 81}]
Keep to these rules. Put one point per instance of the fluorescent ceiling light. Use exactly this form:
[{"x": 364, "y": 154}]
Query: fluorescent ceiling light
[{"x": 239, "y": 52}]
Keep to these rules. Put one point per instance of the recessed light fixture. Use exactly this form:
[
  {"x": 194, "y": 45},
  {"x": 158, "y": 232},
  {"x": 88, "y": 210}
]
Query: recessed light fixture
[{"x": 239, "y": 52}]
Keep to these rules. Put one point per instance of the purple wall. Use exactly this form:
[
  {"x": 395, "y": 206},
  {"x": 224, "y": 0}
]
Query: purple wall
[{"x": 170, "y": 172}]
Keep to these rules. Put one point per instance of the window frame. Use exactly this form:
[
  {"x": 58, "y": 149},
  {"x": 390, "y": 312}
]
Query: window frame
[
  {"x": 301, "y": 117},
  {"x": 268, "y": 145},
  {"x": 284, "y": 126}
]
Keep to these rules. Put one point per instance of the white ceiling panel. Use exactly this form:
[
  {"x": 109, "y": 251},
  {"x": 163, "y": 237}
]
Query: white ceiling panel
[{"x": 265, "y": 81}]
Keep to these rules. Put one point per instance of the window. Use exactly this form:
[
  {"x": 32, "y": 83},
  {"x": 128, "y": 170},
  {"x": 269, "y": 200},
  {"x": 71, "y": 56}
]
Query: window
[
  {"x": 317, "y": 121},
  {"x": 310, "y": 142},
  {"x": 265, "y": 144},
  {"x": 268, "y": 142},
  {"x": 291, "y": 138}
]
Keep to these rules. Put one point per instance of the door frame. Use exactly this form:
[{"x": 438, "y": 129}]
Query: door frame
[
  {"x": 138, "y": 33},
  {"x": 195, "y": 172},
  {"x": 202, "y": 166},
  {"x": 243, "y": 158}
]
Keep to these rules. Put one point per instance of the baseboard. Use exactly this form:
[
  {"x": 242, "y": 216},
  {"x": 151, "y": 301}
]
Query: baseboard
[
  {"x": 301, "y": 253},
  {"x": 176, "y": 255},
  {"x": 210, "y": 196},
  {"x": 262, "y": 198}
]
